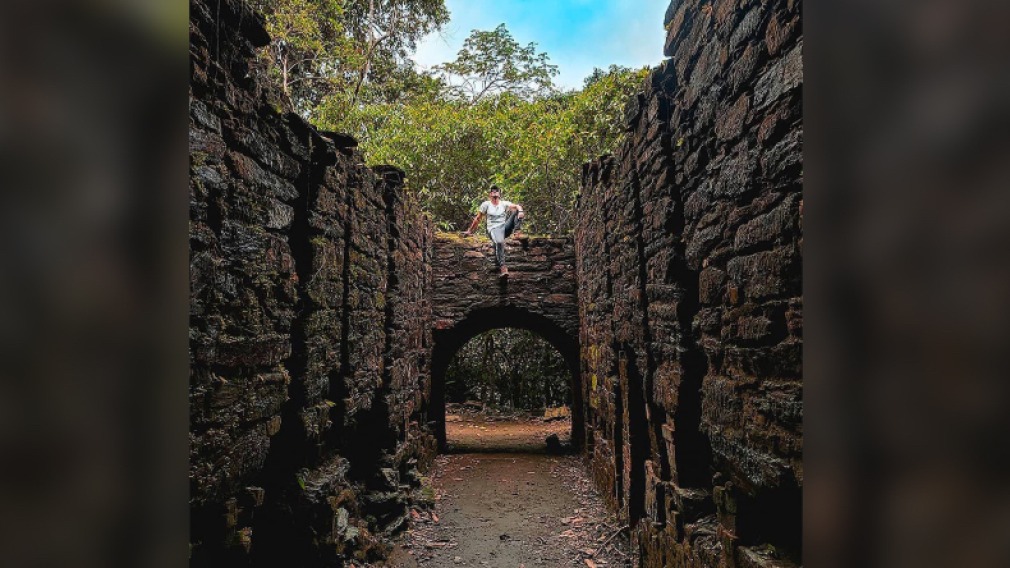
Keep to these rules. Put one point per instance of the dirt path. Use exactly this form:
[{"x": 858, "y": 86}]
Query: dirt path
[
  {"x": 514, "y": 510},
  {"x": 475, "y": 433}
]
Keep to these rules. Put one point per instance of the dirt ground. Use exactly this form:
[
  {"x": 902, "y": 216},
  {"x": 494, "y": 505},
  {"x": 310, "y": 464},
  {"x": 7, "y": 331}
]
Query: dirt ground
[
  {"x": 513, "y": 509},
  {"x": 471, "y": 432}
]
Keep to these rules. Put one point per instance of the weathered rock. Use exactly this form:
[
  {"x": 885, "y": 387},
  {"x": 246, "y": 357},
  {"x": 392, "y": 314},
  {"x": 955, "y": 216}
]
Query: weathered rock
[
  {"x": 309, "y": 323},
  {"x": 690, "y": 298},
  {"x": 541, "y": 279}
]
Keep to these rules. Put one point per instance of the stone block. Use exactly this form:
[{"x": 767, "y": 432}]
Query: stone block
[
  {"x": 767, "y": 274},
  {"x": 780, "y": 78},
  {"x": 779, "y": 225}
]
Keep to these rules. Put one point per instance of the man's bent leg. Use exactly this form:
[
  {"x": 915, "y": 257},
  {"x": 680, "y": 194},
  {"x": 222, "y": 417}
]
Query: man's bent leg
[{"x": 512, "y": 224}]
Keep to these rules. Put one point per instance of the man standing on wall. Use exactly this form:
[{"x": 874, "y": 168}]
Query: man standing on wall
[{"x": 501, "y": 222}]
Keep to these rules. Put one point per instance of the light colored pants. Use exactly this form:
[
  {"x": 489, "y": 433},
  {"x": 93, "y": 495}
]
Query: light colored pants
[{"x": 499, "y": 234}]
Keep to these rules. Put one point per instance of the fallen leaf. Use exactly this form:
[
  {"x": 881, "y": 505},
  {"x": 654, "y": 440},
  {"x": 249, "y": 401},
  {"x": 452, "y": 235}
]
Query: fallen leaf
[{"x": 590, "y": 563}]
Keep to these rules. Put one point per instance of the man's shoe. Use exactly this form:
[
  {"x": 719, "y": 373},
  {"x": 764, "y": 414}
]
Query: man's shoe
[{"x": 503, "y": 272}]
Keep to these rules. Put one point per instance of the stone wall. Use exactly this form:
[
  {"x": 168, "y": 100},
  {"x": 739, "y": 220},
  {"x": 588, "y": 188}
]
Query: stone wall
[
  {"x": 688, "y": 249},
  {"x": 541, "y": 279},
  {"x": 309, "y": 323}
]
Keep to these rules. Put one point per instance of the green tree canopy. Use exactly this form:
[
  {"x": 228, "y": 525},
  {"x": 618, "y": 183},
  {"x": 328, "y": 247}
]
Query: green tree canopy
[
  {"x": 346, "y": 51},
  {"x": 493, "y": 62},
  {"x": 386, "y": 33},
  {"x": 309, "y": 45},
  {"x": 453, "y": 150}
]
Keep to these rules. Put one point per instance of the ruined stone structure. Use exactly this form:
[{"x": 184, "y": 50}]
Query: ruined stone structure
[
  {"x": 324, "y": 310},
  {"x": 689, "y": 265},
  {"x": 312, "y": 334},
  {"x": 468, "y": 298}
]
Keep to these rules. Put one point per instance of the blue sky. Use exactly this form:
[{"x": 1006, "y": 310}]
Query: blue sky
[{"x": 577, "y": 34}]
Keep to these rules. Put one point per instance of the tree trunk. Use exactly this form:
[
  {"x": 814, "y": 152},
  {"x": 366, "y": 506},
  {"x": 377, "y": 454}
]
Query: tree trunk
[{"x": 284, "y": 77}]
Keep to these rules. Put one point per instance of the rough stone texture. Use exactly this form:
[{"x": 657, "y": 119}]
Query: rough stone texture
[
  {"x": 689, "y": 271},
  {"x": 541, "y": 279},
  {"x": 468, "y": 298},
  {"x": 309, "y": 323},
  {"x": 324, "y": 311}
]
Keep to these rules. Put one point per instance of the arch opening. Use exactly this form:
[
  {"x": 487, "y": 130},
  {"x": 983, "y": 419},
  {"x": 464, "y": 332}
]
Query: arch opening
[
  {"x": 508, "y": 370},
  {"x": 508, "y": 390},
  {"x": 448, "y": 342}
]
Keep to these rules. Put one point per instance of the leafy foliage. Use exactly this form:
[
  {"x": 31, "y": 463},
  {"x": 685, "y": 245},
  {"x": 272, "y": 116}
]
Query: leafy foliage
[
  {"x": 308, "y": 47},
  {"x": 453, "y": 150},
  {"x": 386, "y": 33},
  {"x": 509, "y": 368},
  {"x": 492, "y": 63},
  {"x": 346, "y": 51}
]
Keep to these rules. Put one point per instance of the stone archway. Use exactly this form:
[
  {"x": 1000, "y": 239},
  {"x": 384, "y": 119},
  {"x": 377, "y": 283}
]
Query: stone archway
[
  {"x": 468, "y": 298},
  {"x": 448, "y": 341}
]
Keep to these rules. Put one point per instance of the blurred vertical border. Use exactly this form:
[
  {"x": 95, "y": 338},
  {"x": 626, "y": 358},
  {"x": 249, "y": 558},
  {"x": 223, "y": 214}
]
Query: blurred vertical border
[
  {"x": 907, "y": 283},
  {"x": 93, "y": 282}
]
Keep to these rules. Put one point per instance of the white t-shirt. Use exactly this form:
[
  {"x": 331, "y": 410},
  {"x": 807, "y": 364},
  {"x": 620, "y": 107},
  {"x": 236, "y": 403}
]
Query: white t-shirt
[{"x": 495, "y": 213}]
